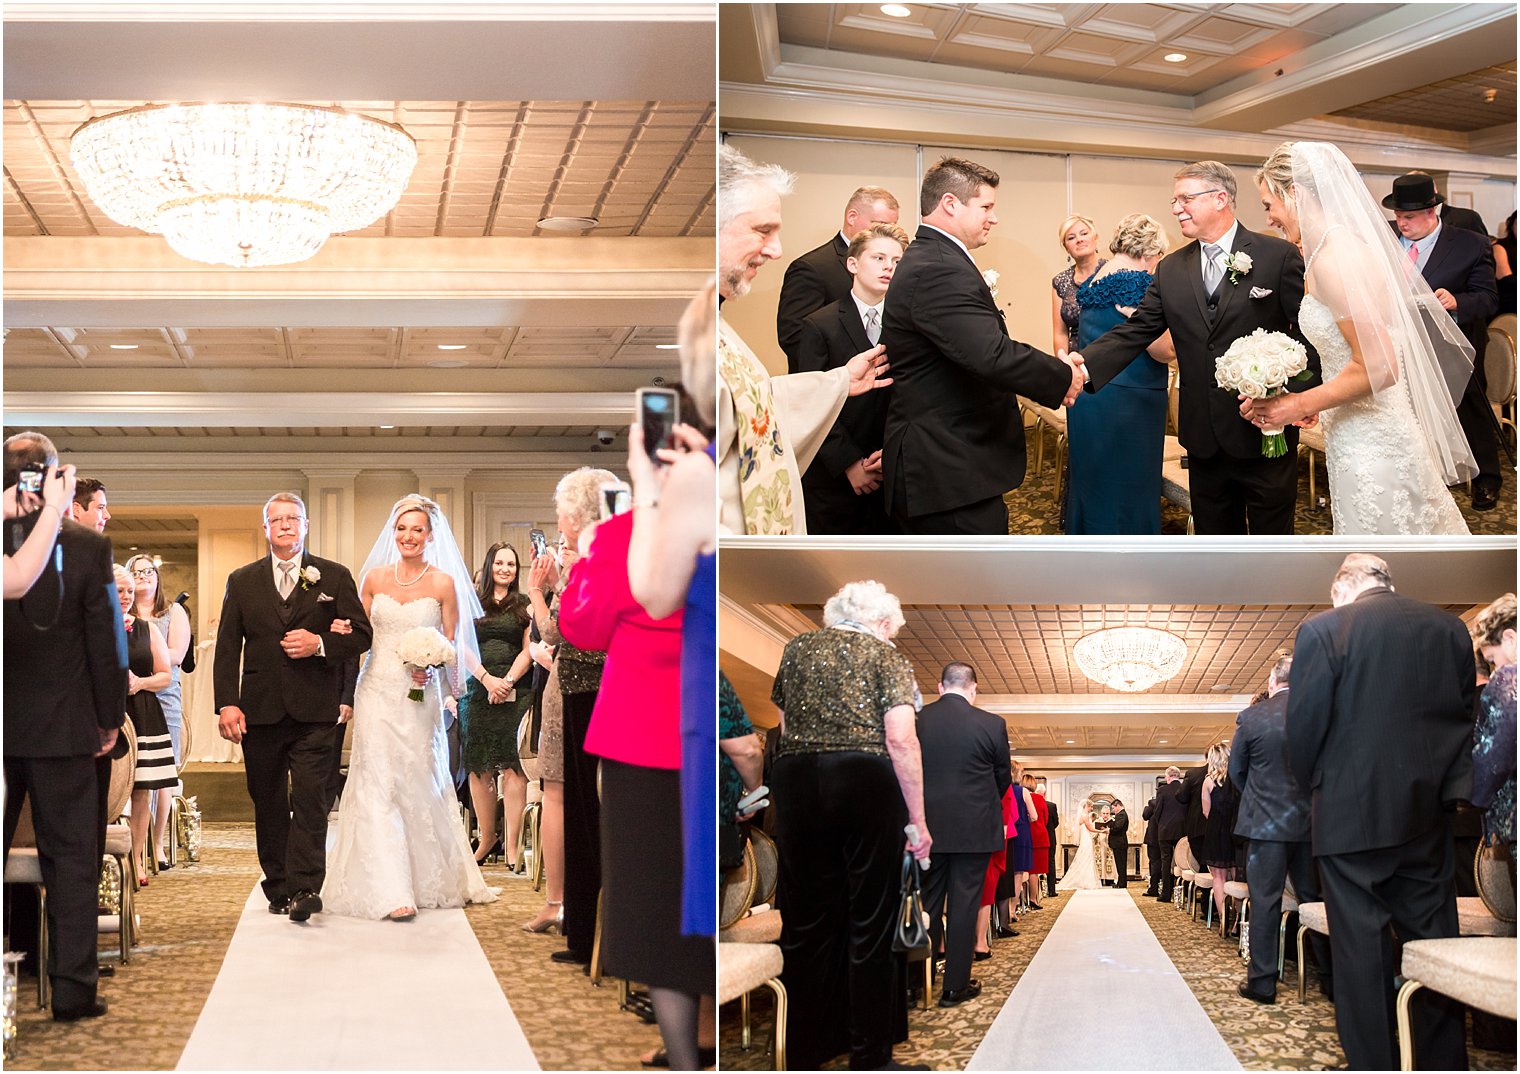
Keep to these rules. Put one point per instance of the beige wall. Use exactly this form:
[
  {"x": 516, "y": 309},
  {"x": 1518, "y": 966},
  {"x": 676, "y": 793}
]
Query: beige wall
[{"x": 1037, "y": 192}]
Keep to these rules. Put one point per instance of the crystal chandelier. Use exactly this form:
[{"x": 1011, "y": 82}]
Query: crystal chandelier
[
  {"x": 1130, "y": 658},
  {"x": 243, "y": 184}
]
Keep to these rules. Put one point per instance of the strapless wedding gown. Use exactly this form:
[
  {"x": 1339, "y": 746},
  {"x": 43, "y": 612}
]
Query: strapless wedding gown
[
  {"x": 1381, "y": 478},
  {"x": 1083, "y": 871},
  {"x": 398, "y": 840}
]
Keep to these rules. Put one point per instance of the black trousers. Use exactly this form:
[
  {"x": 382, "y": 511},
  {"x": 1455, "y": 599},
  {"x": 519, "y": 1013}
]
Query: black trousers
[
  {"x": 1411, "y": 888},
  {"x": 1153, "y": 860},
  {"x": 1232, "y": 496},
  {"x": 288, "y": 768},
  {"x": 1477, "y": 419},
  {"x": 839, "y": 840},
  {"x": 1121, "y": 864},
  {"x": 64, "y": 814},
  {"x": 1268, "y": 865},
  {"x": 952, "y": 896},
  {"x": 985, "y": 518},
  {"x": 1050, "y": 865},
  {"x": 583, "y": 829},
  {"x": 1168, "y": 881}
]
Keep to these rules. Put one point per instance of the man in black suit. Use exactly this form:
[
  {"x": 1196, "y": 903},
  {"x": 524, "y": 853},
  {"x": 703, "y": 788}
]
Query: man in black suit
[
  {"x": 65, "y": 699},
  {"x": 1379, "y": 727},
  {"x": 1459, "y": 266},
  {"x": 1227, "y": 284},
  {"x": 1118, "y": 842},
  {"x": 276, "y": 622},
  {"x": 966, "y": 771},
  {"x": 1190, "y": 794},
  {"x": 1274, "y": 817},
  {"x": 1152, "y": 848},
  {"x": 1170, "y": 816},
  {"x": 842, "y": 485},
  {"x": 820, "y": 276},
  {"x": 955, "y": 436}
]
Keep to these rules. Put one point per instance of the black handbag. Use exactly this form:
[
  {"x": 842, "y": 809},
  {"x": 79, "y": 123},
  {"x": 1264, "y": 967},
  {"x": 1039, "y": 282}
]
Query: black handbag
[{"x": 909, "y": 933}]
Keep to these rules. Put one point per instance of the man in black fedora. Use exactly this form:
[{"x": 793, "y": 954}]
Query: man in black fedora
[{"x": 1459, "y": 266}]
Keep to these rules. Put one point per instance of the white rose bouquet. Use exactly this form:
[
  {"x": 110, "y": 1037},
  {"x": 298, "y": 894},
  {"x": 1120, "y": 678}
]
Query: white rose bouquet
[
  {"x": 1259, "y": 366},
  {"x": 423, "y": 647}
]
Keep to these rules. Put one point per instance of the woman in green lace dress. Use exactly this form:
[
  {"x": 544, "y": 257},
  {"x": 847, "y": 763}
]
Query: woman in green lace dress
[{"x": 494, "y": 706}]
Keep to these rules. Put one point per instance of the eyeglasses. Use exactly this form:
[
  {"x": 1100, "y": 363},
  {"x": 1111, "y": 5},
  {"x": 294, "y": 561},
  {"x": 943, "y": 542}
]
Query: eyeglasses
[
  {"x": 1183, "y": 199},
  {"x": 143, "y": 572},
  {"x": 281, "y": 520}
]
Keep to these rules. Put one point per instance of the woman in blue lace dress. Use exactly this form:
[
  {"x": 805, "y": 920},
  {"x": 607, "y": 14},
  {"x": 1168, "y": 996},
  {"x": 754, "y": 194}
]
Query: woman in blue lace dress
[
  {"x": 1493, "y": 787},
  {"x": 1116, "y": 435}
]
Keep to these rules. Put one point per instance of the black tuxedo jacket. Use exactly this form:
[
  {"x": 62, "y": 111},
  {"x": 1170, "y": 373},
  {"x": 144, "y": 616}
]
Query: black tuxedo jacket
[
  {"x": 1273, "y": 805},
  {"x": 1208, "y": 417},
  {"x": 1170, "y": 813},
  {"x": 1150, "y": 816},
  {"x": 1463, "y": 263},
  {"x": 67, "y": 683},
  {"x": 954, "y": 432},
  {"x": 812, "y": 281},
  {"x": 1379, "y": 720},
  {"x": 1118, "y": 832},
  {"x": 1190, "y": 794},
  {"x": 254, "y": 619},
  {"x": 830, "y": 338},
  {"x": 966, "y": 771},
  {"x": 1466, "y": 219}
]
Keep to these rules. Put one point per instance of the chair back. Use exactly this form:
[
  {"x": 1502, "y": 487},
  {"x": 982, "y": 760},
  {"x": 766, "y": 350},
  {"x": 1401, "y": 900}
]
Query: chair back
[
  {"x": 186, "y": 738},
  {"x": 767, "y": 866},
  {"x": 123, "y": 773},
  {"x": 1491, "y": 872},
  {"x": 738, "y": 892},
  {"x": 1499, "y": 360},
  {"x": 525, "y": 754},
  {"x": 1184, "y": 856}
]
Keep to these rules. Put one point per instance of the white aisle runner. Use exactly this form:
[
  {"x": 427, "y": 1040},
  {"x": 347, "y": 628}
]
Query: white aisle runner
[
  {"x": 1100, "y": 994},
  {"x": 337, "y": 993}
]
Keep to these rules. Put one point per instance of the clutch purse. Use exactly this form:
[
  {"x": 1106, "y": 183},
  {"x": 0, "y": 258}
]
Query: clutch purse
[{"x": 910, "y": 934}]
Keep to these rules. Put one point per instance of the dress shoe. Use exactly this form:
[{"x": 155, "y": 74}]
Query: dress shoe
[
  {"x": 1006, "y": 933},
  {"x": 280, "y": 905},
  {"x": 568, "y": 955},
  {"x": 303, "y": 904},
  {"x": 954, "y": 997},
  {"x": 1152, "y": 893},
  {"x": 1485, "y": 497},
  {"x": 1246, "y": 992},
  {"x": 107, "y": 969},
  {"x": 1035, "y": 906},
  {"x": 980, "y": 956},
  {"x": 93, "y": 1009}
]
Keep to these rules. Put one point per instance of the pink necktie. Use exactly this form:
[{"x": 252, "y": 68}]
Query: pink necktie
[{"x": 1414, "y": 253}]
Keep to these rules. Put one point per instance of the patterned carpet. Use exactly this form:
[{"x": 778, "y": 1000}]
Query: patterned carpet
[
  {"x": 1286, "y": 1036},
  {"x": 1033, "y": 509},
  {"x": 188, "y": 915}
]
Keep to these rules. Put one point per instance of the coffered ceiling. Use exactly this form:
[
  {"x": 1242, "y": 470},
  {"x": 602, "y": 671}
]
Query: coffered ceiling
[
  {"x": 1016, "y": 612},
  {"x": 520, "y": 112}
]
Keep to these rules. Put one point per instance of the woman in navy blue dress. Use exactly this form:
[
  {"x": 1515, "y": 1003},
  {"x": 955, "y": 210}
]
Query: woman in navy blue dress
[{"x": 1116, "y": 435}]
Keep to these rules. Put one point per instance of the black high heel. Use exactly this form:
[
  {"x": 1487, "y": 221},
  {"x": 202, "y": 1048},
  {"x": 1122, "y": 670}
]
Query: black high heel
[{"x": 492, "y": 855}]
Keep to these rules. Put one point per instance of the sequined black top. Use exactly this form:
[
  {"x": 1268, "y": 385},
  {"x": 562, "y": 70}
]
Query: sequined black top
[
  {"x": 1494, "y": 756},
  {"x": 835, "y": 687},
  {"x": 1065, "y": 284}
]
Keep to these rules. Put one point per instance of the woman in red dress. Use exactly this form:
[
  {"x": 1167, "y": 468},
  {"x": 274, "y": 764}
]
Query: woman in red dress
[
  {"x": 997, "y": 865},
  {"x": 1041, "y": 839}
]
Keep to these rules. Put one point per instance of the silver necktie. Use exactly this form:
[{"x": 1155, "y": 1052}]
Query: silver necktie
[
  {"x": 1213, "y": 272},
  {"x": 287, "y": 580},
  {"x": 873, "y": 326}
]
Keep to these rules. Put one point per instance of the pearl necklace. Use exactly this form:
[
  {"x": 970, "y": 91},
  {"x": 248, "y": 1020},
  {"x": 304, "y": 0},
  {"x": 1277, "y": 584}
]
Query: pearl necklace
[
  {"x": 397, "y": 573},
  {"x": 1309, "y": 262}
]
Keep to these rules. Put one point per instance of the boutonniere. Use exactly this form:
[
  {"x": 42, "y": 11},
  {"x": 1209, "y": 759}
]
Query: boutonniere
[
  {"x": 310, "y": 576},
  {"x": 990, "y": 278},
  {"x": 1237, "y": 264}
]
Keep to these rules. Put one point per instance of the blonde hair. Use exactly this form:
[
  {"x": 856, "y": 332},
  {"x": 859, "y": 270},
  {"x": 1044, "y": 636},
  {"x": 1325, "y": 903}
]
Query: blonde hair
[
  {"x": 579, "y": 494},
  {"x": 124, "y": 583},
  {"x": 867, "y": 603},
  {"x": 1219, "y": 763},
  {"x": 1074, "y": 218},
  {"x": 867, "y": 196},
  {"x": 1210, "y": 171},
  {"x": 1493, "y": 621},
  {"x": 877, "y": 231},
  {"x": 1138, "y": 235},
  {"x": 1277, "y": 171}
]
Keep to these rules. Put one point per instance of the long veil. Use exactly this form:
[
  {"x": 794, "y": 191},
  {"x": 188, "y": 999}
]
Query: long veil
[
  {"x": 443, "y": 554},
  {"x": 1402, "y": 331}
]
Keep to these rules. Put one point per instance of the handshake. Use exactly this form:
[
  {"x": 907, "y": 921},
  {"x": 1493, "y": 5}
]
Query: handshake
[{"x": 1078, "y": 375}]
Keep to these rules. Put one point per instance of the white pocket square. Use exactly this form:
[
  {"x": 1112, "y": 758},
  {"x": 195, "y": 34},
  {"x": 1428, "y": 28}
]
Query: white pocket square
[
  {"x": 323, "y": 598},
  {"x": 1260, "y": 292}
]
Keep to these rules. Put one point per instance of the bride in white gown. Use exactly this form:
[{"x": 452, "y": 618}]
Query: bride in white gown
[
  {"x": 1083, "y": 871},
  {"x": 398, "y": 844},
  {"x": 1392, "y": 359}
]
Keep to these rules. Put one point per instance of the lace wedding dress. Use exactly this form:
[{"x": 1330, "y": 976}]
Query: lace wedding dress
[
  {"x": 1083, "y": 871},
  {"x": 1381, "y": 478},
  {"x": 398, "y": 841}
]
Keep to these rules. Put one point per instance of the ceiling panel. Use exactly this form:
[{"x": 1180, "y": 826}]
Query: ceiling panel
[{"x": 1454, "y": 104}]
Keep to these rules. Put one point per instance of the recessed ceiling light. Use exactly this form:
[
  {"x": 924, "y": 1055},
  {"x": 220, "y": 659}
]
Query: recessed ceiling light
[
  {"x": 567, "y": 223},
  {"x": 1175, "y": 57},
  {"x": 1222, "y": 688},
  {"x": 124, "y": 346},
  {"x": 667, "y": 346},
  {"x": 897, "y": 11},
  {"x": 451, "y": 346},
  {"x": 446, "y": 363},
  {"x": 387, "y": 426},
  {"x": 1071, "y": 742},
  {"x": 1163, "y": 742}
]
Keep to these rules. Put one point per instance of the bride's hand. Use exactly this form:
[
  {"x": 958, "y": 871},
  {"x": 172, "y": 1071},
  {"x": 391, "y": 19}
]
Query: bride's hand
[
  {"x": 1308, "y": 423},
  {"x": 421, "y": 676},
  {"x": 342, "y": 626},
  {"x": 1280, "y": 410}
]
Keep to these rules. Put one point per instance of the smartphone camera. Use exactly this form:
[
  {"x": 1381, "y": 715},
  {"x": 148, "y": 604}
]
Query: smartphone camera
[
  {"x": 658, "y": 410},
  {"x": 617, "y": 498},
  {"x": 538, "y": 542}
]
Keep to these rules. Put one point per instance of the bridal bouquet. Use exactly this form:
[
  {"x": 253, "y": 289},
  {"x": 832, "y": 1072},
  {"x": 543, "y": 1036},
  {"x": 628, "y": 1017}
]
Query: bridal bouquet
[
  {"x": 1259, "y": 366},
  {"x": 423, "y": 647}
]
